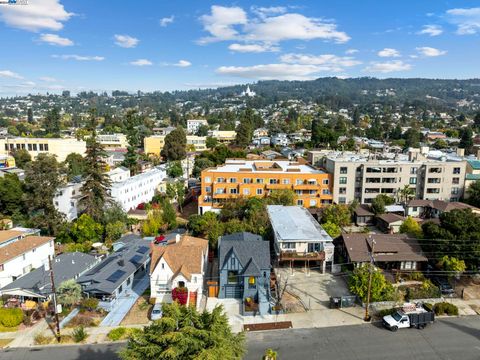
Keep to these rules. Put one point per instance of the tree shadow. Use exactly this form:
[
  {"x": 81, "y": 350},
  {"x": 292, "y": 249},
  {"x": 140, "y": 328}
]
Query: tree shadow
[
  {"x": 99, "y": 352},
  {"x": 465, "y": 329}
]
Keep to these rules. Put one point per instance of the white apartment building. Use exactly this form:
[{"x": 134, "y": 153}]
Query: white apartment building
[
  {"x": 67, "y": 199},
  {"x": 362, "y": 177},
  {"x": 113, "y": 141},
  {"x": 194, "y": 124},
  {"x": 132, "y": 191},
  {"x": 60, "y": 147},
  {"x": 21, "y": 252}
]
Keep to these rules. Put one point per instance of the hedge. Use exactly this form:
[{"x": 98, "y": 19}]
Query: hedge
[
  {"x": 445, "y": 308},
  {"x": 11, "y": 317}
]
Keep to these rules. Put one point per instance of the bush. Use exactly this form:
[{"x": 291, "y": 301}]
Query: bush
[
  {"x": 117, "y": 334},
  {"x": 386, "y": 312},
  {"x": 79, "y": 334},
  {"x": 84, "y": 321},
  {"x": 40, "y": 339},
  {"x": 445, "y": 308},
  {"x": 11, "y": 317},
  {"x": 425, "y": 291},
  {"x": 89, "y": 304}
]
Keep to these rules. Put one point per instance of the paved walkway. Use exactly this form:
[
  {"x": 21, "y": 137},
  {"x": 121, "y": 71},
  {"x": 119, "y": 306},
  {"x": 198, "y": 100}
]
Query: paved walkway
[{"x": 125, "y": 303}]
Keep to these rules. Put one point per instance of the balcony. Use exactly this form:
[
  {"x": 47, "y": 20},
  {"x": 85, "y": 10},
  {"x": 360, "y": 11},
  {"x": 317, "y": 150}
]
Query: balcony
[
  {"x": 306, "y": 187},
  {"x": 310, "y": 256},
  {"x": 278, "y": 186}
]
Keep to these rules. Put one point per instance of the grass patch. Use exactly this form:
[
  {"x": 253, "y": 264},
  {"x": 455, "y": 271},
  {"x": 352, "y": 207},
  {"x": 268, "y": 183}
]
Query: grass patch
[
  {"x": 8, "y": 329},
  {"x": 5, "y": 342},
  {"x": 122, "y": 333}
]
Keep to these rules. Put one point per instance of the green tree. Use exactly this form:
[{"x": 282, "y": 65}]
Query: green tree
[
  {"x": 42, "y": 179},
  {"x": 95, "y": 189},
  {"x": 11, "y": 195},
  {"x": 131, "y": 160},
  {"x": 473, "y": 194},
  {"x": 202, "y": 130},
  {"x": 207, "y": 225},
  {"x": 379, "y": 203},
  {"x": 30, "y": 116},
  {"x": 183, "y": 333},
  {"x": 174, "y": 169},
  {"x": 211, "y": 142},
  {"x": 453, "y": 265},
  {"x": 281, "y": 197},
  {"x": 332, "y": 229},
  {"x": 114, "y": 213},
  {"x": 154, "y": 224},
  {"x": 381, "y": 289},
  {"x": 466, "y": 139},
  {"x": 411, "y": 227},
  {"x": 201, "y": 164},
  {"x": 52, "y": 122},
  {"x": 169, "y": 216},
  {"x": 339, "y": 215},
  {"x": 176, "y": 192},
  {"x": 406, "y": 193},
  {"x": 244, "y": 134},
  {"x": 86, "y": 229},
  {"x": 75, "y": 165},
  {"x": 69, "y": 293},
  {"x": 412, "y": 137},
  {"x": 22, "y": 158},
  {"x": 114, "y": 231},
  {"x": 175, "y": 147}
]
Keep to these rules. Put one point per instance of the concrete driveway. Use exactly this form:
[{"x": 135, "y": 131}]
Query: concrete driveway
[{"x": 313, "y": 288}]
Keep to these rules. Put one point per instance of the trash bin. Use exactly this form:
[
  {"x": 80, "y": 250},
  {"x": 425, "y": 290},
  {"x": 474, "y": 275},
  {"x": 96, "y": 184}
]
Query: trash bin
[{"x": 335, "y": 302}]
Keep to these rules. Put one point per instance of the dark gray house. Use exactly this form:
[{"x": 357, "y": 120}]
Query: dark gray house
[
  {"x": 116, "y": 275},
  {"x": 244, "y": 269},
  {"x": 36, "y": 284}
]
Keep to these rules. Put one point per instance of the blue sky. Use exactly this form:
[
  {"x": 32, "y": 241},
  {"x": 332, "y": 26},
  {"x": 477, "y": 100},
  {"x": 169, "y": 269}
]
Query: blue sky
[{"x": 52, "y": 45}]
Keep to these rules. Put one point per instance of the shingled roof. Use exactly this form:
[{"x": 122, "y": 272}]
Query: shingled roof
[{"x": 21, "y": 246}]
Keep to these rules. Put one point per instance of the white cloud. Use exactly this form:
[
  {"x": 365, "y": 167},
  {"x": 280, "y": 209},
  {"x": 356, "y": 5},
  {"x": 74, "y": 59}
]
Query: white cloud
[
  {"x": 220, "y": 23},
  {"x": 467, "y": 20},
  {"x": 388, "y": 66},
  {"x": 183, "y": 63},
  {"x": 325, "y": 62},
  {"x": 141, "y": 62},
  {"x": 432, "y": 30},
  {"x": 268, "y": 11},
  {"x": 253, "y": 48},
  {"x": 9, "y": 74},
  {"x": 54, "y": 39},
  {"x": 271, "y": 71},
  {"x": 166, "y": 21},
  {"x": 37, "y": 15},
  {"x": 293, "y": 27},
  {"x": 47, "y": 79},
  {"x": 430, "y": 52},
  {"x": 388, "y": 52},
  {"x": 232, "y": 23},
  {"x": 351, "y": 51},
  {"x": 79, "y": 57},
  {"x": 126, "y": 41}
]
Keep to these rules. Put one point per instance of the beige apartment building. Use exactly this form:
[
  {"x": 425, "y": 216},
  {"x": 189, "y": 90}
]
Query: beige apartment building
[
  {"x": 154, "y": 144},
  {"x": 363, "y": 177},
  {"x": 60, "y": 147},
  {"x": 113, "y": 141}
]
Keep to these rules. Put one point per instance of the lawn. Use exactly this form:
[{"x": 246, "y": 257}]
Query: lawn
[
  {"x": 8, "y": 329},
  {"x": 5, "y": 342}
]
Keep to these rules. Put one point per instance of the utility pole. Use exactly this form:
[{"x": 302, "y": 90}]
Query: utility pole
[
  {"x": 57, "y": 325},
  {"x": 370, "y": 270}
]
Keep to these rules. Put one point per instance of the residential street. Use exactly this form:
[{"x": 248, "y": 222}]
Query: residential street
[{"x": 456, "y": 338}]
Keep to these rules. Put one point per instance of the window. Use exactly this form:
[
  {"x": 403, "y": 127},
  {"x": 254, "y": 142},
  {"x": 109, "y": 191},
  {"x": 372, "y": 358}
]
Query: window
[
  {"x": 299, "y": 181},
  {"x": 413, "y": 170},
  {"x": 433, "y": 191},
  {"x": 325, "y": 181},
  {"x": 455, "y": 180},
  {"x": 455, "y": 190},
  {"x": 273, "y": 181},
  {"x": 163, "y": 266},
  {"x": 433, "y": 180},
  {"x": 208, "y": 189},
  {"x": 286, "y": 181},
  {"x": 300, "y": 202},
  {"x": 233, "y": 191},
  {"x": 259, "y": 191},
  {"x": 326, "y": 192},
  {"x": 34, "y": 147},
  {"x": 342, "y": 180},
  {"x": 233, "y": 180},
  {"x": 220, "y": 180},
  {"x": 288, "y": 245},
  {"x": 413, "y": 180},
  {"x": 232, "y": 277},
  {"x": 194, "y": 279},
  {"x": 247, "y": 181},
  {"x": 252, "y": 282},
  {"x": 208, "y": 179},
  {"x": 41, "y": 147},
  {"x": 435, "y": 170},
  {"x": 343, "y": 170},
  {"x": 342, "y": 190},
  {"x": 313, "y": 203},
  {"x": 259, "y": 181},
  {"x": 456, "y": 170},
  {"x": 46, "y": 147},
  {"x": 298, "y": 192},
  {"x": 342, "y": 200},
  {"x": 373, "y": 170},
  {"x": 246, "y": 191},
  {"x": 1, "y": 267},
  {"x": 29, "y": 147}
]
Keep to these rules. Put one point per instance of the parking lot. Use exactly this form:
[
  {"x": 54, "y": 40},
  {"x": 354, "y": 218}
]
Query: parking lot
[{"x": 313, "y": 288}]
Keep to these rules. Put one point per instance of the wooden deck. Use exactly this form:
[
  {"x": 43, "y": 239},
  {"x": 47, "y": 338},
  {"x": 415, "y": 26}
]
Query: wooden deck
[{"x": 294, "y": 256}]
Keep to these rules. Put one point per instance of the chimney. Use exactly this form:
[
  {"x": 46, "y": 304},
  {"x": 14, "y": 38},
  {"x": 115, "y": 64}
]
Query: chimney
[
  {"x": 460, "y": 152},
  {"x": 121, "y": 262}
]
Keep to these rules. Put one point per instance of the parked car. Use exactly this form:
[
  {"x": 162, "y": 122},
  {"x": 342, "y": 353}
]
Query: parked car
[
  {"x": 157, "y": 312},
  {"x": 443, "y": 285},
  {"x": 411, "y": 315}
]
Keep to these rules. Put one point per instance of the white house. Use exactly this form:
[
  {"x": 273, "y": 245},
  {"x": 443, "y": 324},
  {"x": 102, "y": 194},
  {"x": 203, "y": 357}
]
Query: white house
[
  {"x": 67, "y": 198},
  {"x": 194, "y": 124},
  {"x": 21, "y": 253},
  {"x": 134, "y": 190},
  {"x": 178, "y": 262}
]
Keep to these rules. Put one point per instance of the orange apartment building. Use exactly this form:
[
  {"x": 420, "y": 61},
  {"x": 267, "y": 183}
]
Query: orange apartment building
[{"x": 245, "y": 178}]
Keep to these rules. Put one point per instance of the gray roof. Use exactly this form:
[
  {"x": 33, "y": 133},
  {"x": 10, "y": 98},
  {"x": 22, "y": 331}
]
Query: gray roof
[
  {"x": 107, "y": 276},
  {"x": 293, "y": 223},
  {"x": 65, "y": 267},
  {"x": 251, "y": 250}
]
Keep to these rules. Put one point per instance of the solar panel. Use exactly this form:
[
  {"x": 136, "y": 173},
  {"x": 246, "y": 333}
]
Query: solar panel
[
  {"x": 136, "y": 259},
  {"x": 142, "y": 249},
  {"x": 116, "y": 276}
]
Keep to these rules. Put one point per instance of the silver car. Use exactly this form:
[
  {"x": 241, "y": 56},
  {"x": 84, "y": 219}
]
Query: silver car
[{"x": 157, "y": 312}]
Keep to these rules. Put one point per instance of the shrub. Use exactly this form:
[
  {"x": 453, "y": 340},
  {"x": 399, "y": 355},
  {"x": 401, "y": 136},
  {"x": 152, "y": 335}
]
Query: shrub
[
  {"x": 117, "y": 334},
  {"x": 79, "y": 334},
  {"x": 386, "y": 312},
  {"x": 40, "y": 339},
  {"x": 84, "y": 321},
  {"x": 90, "y": 304},
  {"x": 425, "y": 291},
  {"x": 445, "y": 308},
  {"x": 11, "y": 317}
]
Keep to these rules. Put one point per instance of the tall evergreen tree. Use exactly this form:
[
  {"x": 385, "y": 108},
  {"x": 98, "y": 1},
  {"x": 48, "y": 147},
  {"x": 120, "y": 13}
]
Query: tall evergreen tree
[
  {"x": 52, "y": 121},
  {"x": 30, "y": 116},
  {"x": 97, "y": 183},
  {"x": 175, "y": 147},
  {"x": 244, "y": 133}
]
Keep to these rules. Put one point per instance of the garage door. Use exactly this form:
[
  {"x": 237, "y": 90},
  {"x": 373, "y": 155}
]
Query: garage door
[{"x": 233, "y": 291}]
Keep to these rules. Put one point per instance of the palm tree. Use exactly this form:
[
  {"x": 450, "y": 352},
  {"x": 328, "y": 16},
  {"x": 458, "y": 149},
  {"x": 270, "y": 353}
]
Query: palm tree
[
  {"x": 270, "y": 355},
  {"x": 406, "y": 193}
]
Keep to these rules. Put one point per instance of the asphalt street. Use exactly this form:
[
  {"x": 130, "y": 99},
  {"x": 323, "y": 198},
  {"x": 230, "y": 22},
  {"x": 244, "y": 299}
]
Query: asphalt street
[{"x": 456, "y": 338}]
